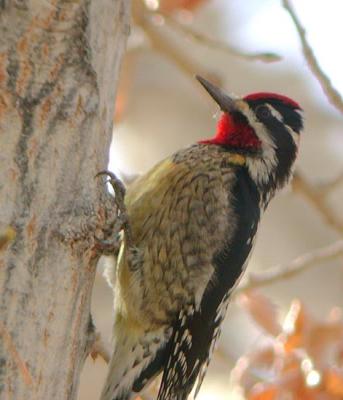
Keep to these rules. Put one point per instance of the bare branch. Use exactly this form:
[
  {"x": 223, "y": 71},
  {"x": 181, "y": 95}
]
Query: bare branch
[
  {"x": 327, "y": 187},
  {"x": 331, "y": 93},
  {"x": 219, "y": 45},
  {"x": 316, "y": 197},
  {"x": 163, "y": 46},
  {"x": 299, "y": 264}
]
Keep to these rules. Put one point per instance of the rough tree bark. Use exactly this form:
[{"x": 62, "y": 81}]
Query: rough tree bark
[{"x": 59, "y": 61}]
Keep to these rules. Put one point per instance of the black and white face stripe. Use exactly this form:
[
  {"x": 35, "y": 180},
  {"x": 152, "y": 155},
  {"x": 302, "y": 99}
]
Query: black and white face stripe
[
  {"x": 287, "y": 114},
  {"x": 277, "y": 125}
]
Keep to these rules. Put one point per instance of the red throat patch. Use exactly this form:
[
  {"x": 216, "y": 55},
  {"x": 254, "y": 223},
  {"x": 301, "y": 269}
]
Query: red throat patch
[{"x": 236, "y": 134}]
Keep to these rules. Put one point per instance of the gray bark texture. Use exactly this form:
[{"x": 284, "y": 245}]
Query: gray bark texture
[{"x": 59, "y": 62}]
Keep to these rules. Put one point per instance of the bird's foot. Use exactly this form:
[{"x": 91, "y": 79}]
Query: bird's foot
[{"x": 111, "y": 238}]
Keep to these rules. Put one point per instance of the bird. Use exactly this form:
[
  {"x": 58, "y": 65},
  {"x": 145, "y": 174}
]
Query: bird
[{"x": 191, "y": 226}]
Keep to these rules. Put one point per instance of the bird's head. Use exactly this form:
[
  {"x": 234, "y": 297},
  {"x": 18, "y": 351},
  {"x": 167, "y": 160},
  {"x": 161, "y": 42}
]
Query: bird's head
[{"x": 264, "y": 127}]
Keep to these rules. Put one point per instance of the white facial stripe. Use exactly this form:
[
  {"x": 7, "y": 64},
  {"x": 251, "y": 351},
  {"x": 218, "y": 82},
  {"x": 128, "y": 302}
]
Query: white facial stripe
[
  {"x": 260, "y": 166},
  {"x": 300, "y": 112},
  {"x": 279, "y": 117},
  {"x": 295, "y": 136},
  {"x": 275, "y": 113}
]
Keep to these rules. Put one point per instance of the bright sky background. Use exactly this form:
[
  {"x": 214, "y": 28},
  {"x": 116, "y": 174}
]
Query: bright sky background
[{"x": 265, "y": 25}]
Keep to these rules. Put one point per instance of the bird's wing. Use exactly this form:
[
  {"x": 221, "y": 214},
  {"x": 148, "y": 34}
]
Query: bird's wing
[
  {"x": 191, "y": 345},
  {"x": 185, "y": 356}
]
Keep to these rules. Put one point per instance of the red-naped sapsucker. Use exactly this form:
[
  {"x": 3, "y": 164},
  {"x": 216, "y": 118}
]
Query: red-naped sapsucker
[{"x": 193, "y": 220}]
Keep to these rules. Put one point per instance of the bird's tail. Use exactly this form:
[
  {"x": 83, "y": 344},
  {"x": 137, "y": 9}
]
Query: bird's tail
[{"x": 131, "y": 357}]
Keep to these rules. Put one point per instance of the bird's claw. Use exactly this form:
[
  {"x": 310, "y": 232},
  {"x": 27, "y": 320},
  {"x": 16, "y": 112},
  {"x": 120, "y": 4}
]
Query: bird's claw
[
  {"x": 117, "y": 185},
  {"x": 109, "y": 246},
  {"x": 122, "y": 220}
]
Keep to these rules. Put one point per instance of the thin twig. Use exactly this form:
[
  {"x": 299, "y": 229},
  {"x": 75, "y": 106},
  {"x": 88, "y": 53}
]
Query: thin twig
[
  {"x": 299, "y": 264},
  {"x": 314, "y": 196},
  {"x": 163, "y": 46},
  {"x": 331, "y": 93},
  {"x": 327, "y": 187},
  {"x": 219, "y": 45},
  {"x": 160, "y": 42}
]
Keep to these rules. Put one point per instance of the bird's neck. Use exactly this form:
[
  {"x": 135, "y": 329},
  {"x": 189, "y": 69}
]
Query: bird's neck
[{"x": 270, "y": 171}]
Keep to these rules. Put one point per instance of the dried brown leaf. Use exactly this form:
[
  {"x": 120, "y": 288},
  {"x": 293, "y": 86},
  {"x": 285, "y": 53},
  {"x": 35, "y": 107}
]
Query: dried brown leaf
[
  {"x": 296, "y": 325},
  {"x": 301, "y": 349},
  {"x": 261, "y": 359},
  {"x": 263, "y": 392},
  {"x": 262, "y": 310},
  {"x": 333, "y": 382},
  {"x": 322, "y": 337}
]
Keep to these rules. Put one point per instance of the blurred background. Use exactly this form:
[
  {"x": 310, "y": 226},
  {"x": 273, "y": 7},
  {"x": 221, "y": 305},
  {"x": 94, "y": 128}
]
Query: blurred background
[{"x": 283, "y": 340}]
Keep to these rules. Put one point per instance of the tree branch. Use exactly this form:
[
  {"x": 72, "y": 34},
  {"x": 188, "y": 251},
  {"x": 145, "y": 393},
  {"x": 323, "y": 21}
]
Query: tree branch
[
  {"x": 330, "y": 91},
  {"x": 331, "y": 185},
  {"x": 299, "y": 264},
  {"x": 162, "y": 45},
  {"x": 59, "y": 61},
  {"x": 317, "y": 199},
  {"x": 219, "y": 45}
]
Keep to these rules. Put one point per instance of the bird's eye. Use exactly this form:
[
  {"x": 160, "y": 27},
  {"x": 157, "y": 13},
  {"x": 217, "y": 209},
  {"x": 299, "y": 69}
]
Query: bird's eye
[{"x": 263, "y": 112}]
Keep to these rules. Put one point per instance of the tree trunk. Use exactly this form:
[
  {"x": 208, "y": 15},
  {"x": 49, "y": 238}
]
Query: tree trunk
[{"x": 59, "y": 62}]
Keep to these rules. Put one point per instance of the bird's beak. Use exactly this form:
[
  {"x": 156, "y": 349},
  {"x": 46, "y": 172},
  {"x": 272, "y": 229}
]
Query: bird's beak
[{"x": 225, "y": 102}]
